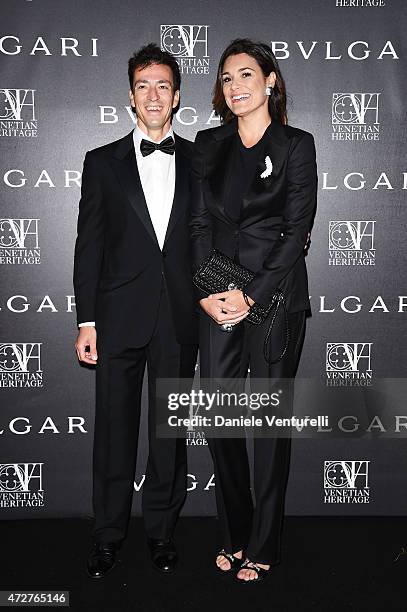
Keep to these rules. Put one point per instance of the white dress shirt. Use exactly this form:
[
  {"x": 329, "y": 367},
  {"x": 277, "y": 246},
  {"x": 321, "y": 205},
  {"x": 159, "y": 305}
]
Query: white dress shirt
[{"x": 157, "y": 176}]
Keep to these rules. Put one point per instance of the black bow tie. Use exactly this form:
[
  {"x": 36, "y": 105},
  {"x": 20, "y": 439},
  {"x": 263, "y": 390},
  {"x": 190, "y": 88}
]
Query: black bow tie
[{"x": 166, "y": 146}]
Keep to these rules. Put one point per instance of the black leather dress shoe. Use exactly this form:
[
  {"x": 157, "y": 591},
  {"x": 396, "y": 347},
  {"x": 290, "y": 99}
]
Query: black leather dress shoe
[
  {"x": 163, "y": 555},
  {"x": 102, "y": 559}
]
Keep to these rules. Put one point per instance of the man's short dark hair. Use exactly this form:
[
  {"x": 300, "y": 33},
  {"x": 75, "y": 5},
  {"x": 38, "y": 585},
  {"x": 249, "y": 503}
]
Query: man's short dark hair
[{"x": 152, "y": 54}]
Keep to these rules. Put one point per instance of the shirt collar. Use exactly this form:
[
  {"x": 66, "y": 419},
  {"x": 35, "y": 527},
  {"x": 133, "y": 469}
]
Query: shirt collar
[{"x": 138, "y": 136}]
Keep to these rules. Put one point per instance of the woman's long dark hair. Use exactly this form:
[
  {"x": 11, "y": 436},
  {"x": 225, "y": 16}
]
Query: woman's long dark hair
[{"x": 265, "y": 57}]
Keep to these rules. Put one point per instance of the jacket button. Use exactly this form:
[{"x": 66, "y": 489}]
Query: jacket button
[
  {"x": 164, "y": 254},
  {"x": 236, "y": 232}
]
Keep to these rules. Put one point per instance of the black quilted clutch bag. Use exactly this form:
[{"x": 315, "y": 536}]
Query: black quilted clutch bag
[{"x": 220, "y": 273}]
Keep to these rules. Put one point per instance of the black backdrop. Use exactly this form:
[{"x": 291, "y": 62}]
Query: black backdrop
[{"x": 63, "y": 91}]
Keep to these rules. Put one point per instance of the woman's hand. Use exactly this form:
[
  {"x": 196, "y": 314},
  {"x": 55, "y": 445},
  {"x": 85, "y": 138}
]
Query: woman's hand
[{"x": 226, "y": 307}]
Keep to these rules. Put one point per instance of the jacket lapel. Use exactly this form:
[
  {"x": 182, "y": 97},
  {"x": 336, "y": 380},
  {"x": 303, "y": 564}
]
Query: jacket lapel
[
  {"x": 180, "y": 201},
  {"x": 221, "y": 173},
  {"x": 125, "y": 167},
  {"x": 222, "y": 164}
]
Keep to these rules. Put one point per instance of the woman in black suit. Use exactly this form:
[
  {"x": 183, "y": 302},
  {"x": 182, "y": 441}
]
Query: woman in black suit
[{"x": 256, "y": 196}]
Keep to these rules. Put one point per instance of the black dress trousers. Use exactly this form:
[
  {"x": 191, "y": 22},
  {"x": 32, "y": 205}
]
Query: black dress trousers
[
  {"x": 254, "y": 527},
  {"x": 119, "y": 380}
]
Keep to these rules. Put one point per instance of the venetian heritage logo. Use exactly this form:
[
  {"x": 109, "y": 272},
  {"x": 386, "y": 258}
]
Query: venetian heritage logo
[
  {"x": 355, "y": 116},
  {"x": 17, "y": 113},
  {"x": 351, "y": 243},
  {"x": 348, "y": 364},
  {"x": 360, "y": 3},
  {"x": 19, "y": 242},
  {"x": 189, "y": 45},
  {"x": 346, "y": 482},
  {"x": 20, "y": 364},
  {"x": 195, "y": 436},
  {"x": 21, "y": 485}
]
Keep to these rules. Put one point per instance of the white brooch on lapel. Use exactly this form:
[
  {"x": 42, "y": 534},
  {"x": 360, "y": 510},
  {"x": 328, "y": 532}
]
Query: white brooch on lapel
[{"x": 269, "y": 168}]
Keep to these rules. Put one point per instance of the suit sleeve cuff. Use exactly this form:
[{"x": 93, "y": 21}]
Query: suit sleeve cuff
[{"x": 87, "y": 324}]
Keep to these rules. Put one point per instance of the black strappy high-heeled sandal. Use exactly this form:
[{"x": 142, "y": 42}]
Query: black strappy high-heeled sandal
[
  {"x": 235, "y": 562},
  {"x": 260, "y": 571}
]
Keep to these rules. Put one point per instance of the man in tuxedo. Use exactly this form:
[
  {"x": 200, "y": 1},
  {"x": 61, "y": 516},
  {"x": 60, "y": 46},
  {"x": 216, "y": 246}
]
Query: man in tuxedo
[{"x": 135, "y": 307}]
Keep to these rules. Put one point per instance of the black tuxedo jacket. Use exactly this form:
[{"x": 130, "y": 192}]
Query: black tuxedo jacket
[
  {"x": 119, "y": 267},
  {"x": 276, "y": 215}
]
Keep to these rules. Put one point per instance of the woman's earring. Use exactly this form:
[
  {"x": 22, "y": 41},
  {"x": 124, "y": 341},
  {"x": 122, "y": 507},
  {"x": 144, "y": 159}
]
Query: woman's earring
[{"x": 269, "y": 90}]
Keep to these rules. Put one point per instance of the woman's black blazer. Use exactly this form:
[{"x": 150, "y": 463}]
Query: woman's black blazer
[{"x": 276, "y": 215}]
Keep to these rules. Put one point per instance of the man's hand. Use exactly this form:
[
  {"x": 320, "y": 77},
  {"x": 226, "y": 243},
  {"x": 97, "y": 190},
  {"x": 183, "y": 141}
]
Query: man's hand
[
  {"x": 85, "y": 345},
  {"x": 227, "y": 307}
]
